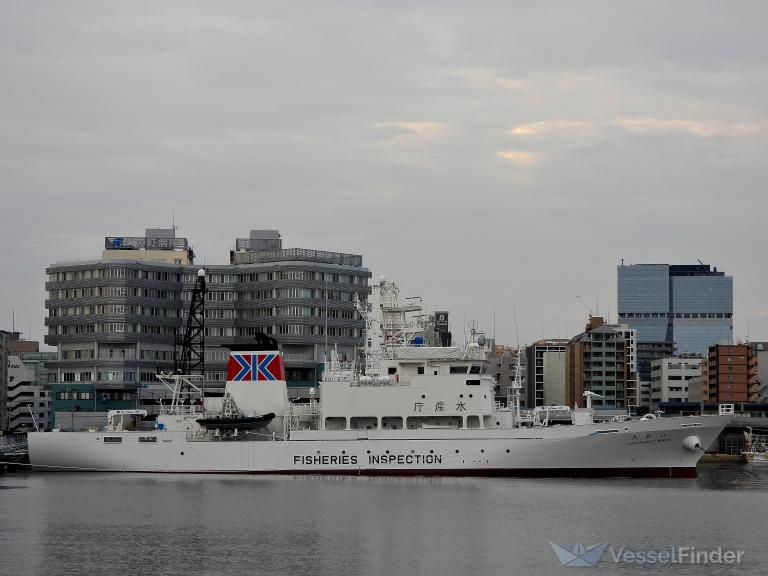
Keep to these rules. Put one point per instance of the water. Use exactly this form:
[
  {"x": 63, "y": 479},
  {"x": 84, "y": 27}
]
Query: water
[{"x": 72, "y": 524}]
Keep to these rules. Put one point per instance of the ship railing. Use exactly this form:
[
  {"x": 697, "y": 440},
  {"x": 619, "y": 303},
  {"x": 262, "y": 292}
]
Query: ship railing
[
  {"x": 241, "y": 436},
  {"x": 181, "y": 409},
  {"x": 526, "y": 416},
  {"x": 375, "y": 384},
  {"x": 310, "y": 409}
]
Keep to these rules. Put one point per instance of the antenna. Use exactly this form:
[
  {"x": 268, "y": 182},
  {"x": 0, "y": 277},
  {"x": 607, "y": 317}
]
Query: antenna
[
  {"x": 13, "y": 319},
  {"x": 517, "y": 335}
]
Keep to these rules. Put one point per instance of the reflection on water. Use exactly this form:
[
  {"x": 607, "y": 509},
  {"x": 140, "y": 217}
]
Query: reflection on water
[{"x": 175, "y": 524}]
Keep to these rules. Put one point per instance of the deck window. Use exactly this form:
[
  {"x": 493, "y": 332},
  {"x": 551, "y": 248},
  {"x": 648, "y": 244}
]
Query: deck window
[
  {"x": 113, "y": 439},
  {"x": 458, "y": 369},
  {"x": 147, "y": 439}
]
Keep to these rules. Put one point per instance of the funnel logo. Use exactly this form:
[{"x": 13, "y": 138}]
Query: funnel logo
[
  {"x": 249, "y": 367},
  {"x": 579, "y": 555}
]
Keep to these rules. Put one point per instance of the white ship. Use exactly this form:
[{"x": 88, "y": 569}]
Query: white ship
[{"x": 415, "y": 410}]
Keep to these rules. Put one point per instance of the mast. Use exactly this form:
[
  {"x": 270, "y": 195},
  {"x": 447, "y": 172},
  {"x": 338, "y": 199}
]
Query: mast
[{"x": 192, "y": 342}]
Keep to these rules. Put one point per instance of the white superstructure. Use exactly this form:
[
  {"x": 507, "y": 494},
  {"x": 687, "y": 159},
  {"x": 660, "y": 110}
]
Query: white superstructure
[{"x": 410, "y": 410}]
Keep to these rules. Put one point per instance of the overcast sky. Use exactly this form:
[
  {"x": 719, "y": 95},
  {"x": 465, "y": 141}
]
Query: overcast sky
[{"x": 489, "y": 156}]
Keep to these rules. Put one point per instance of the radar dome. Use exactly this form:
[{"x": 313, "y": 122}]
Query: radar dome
[{"x": 201, "y": 273}]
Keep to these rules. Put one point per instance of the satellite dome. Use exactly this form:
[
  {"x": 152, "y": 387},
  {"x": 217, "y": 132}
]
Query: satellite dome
[{"x": 201, "y": 273}]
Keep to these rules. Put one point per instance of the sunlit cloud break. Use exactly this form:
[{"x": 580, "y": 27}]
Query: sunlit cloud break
[
  {"x": 535, "y": 128},
  {"x": 699, "y": 128},
  {"x": 422, "y": 129},
  {"x": 522, "y": 158}
]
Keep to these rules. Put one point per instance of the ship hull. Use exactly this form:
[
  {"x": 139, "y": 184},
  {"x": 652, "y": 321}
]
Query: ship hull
[{"x": 654, "y": 448}]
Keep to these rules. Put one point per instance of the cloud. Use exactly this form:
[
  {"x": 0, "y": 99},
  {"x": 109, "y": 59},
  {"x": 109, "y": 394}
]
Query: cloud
[
  {"x": 481, "y": 79},
  {"x": 522, "y": 158},
  {"x": 699, "y": 128},
  {"x": 702, "y": 129},
  {"x": 536, "y": 128},
  {"x": 430, "y": 130}
]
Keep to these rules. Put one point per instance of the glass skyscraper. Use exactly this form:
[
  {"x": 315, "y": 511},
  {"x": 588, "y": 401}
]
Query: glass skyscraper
[{"x": 690, "y": 306}]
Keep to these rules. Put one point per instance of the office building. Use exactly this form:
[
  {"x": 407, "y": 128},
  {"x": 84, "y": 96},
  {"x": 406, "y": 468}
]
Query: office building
[
  {"x": 674, "y": 310},
  {"x": 502, "y": 365},
  {"x": 690, "y": 306},
  {"x": 597, "y": 360},
  {"x": 732, "y": 373},
  {"x": 535, "y": 368},
  {"x": 670, "y": 378},
  {"x": 760, "y": 356},
  {"x": 554, "y": 378},
  {"x": 25, "y": 402},
  {"x": 115, "y": 321},
  {"x": 3, "y": 381}
]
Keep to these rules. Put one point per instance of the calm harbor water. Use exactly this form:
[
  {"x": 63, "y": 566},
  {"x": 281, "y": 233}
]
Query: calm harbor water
[{"x": 71, "y": 524}]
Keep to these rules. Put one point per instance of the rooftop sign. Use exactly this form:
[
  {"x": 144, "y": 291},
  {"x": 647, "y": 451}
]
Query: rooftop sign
[{"x": 143, "y": 243}]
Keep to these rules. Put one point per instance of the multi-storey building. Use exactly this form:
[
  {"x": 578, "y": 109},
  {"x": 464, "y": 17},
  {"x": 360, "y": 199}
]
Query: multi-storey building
[
  {"x": 535, "y": 368},
  {"x": 670, "y": 378},
  {"x": 502, "y": 365},
  {"x": 732, "y": 373},
  {"x": 29, "y": 404},
  {"x": 554, "y": 378},
  {"x": 597, "y": 360},
  {"x": 116, "y": 320},
  {"x": 691, "y": 306},
  {"x": 675, "y": 310},
  {"x": 3, "y": 381},
  {"x": 760, "y": 356},
  {"x": 24, "y": 403}
]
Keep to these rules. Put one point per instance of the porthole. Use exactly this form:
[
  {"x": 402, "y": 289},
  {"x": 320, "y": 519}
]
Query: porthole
[
  {"x": 470, "y": 395},
  {"x": 461, "y": 395},
  {"x": 387, "y": 451},
  {"x": 482, "y": 451},
  {"x": 431, "y": 451},
  {"x": 423, "y": 396},
  {"x": 318, "y": 451},
  {"x": 507, "y": 450},
  {"x": 498, "y": 424},
  {"x": 457, "y": 451},
  {"x": 367, "y": 451},
  {"x": 182, "y": 452},
  {"x": 343, "y": 451}
]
